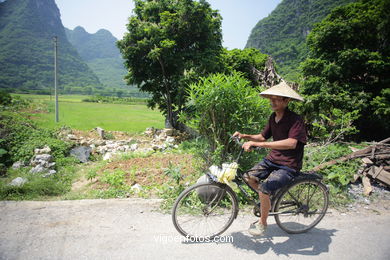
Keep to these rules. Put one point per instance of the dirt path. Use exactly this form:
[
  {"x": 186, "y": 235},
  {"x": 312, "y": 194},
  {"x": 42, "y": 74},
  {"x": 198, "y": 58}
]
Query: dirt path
[{"x": 133, "y": 229}]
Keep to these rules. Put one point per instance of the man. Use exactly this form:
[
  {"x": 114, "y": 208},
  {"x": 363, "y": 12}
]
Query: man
[{"x": 285, "y": 159}]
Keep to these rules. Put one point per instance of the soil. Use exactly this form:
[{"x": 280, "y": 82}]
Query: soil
[{"x": 151, "y": 170}]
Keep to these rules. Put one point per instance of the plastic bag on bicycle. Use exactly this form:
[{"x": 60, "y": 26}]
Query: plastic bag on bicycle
[{"x": 226, "y": 174}]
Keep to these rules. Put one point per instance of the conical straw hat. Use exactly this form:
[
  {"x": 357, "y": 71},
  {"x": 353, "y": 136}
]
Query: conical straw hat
[{"x": 282, "y": 90}]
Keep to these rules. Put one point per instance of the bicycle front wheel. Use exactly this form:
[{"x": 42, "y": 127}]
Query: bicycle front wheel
[
  {"x": 205, "y": 210},
  {"x": 301, "y": 206}
]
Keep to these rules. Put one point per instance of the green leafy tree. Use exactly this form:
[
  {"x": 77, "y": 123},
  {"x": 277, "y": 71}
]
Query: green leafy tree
[
  {"x": 246, "y": 61},
  {"x": 168, "y": 43},
  {"x": 349, "y": 66}
]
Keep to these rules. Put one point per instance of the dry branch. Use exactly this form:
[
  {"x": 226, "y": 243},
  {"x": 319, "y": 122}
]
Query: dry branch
[{"x": 358, "y": 154}]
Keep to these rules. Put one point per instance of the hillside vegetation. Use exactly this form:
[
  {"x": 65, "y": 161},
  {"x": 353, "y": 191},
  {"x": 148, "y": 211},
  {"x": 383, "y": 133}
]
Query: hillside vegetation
[
  {"x": 99, "y": 51},
  {"x": 283, "y": 33},
  {"x": 27, "y": 28}
]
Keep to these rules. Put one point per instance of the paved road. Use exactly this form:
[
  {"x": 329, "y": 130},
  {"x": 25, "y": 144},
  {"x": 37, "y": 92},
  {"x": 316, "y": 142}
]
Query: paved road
[{"x": 134, "y": 229}]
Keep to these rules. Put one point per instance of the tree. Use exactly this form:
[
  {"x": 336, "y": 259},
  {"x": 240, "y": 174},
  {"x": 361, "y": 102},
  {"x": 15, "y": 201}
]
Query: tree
[
  {"x": 349, "y": 66},
  {"x": 168, "y": 43},
  {"x": 247, "y": 61}
]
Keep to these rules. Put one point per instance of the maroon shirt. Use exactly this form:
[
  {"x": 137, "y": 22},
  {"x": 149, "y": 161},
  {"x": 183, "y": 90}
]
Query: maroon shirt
[{"x": 290, "y": 126}]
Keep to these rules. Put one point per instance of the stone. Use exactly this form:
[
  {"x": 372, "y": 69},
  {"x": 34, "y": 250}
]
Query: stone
[
  {"x": 100, "y": 132},
  {"x": 44, "y": 150},
  {"x": 133, "y": 147},
  {"x": 18, "y": 165},
  {"x": 51, "y": 165},
  {"x": 83, "y": 142},
  {"x": 169, "y": 131},
  {"x": 136, "y": 188},
  {"x": 170, "y": 140},
  {"x": 82, "y": 153},
  {"x": 43, "y": 157},
  {"x": 107, "y": 156},
  {"x": 38, "y": 169},
  {"x": 72, "y": 137},
  {"x": 50, "y": 173},
  {"x": 17, "y": 182},
  {"x": 156, "y": 147}
]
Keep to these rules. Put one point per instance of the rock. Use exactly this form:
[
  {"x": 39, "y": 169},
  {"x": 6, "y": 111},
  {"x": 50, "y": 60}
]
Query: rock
[
  {"x": 133, "y": 147},
  {"x": 50, "y": 173},
  {"x": 170, "y": 140},
  {"x": 149, "y": 132},
  {"x": 51, "y": 165},
  {"x": 72, "y": 137},
  {"x": 102, "y": 149},
  {"x": 44, "y": 150},
  {"x": 82, "y": 153},
  {"x": 107, "y": 156},
  {"x": 43, "y": 157},
  {"x": 169, "y": 131},
  {"x": 17, "y": 182},
  {"x": 100, "y": 132},
  {"x": 18, "y": 165},
  {"x": 83, "y": 142},
  {"x": 136, "y": 188},
  {"x": 157, "y": 147},
  {"x": 38, "y": 169}
]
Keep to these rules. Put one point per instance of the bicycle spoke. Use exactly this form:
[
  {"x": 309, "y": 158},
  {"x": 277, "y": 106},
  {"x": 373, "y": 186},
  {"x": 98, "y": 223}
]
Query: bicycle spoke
[
  {"x": 204, "y": 210},
  {"x": 301, "y": 206}
]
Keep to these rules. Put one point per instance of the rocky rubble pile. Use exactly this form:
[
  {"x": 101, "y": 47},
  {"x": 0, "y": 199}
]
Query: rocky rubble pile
[
  {"x": 155, "y": 140},
  {"x": 41, "y": 163}
]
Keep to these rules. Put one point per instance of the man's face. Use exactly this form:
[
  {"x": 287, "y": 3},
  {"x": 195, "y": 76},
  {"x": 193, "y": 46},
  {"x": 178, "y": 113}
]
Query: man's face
[{"x": 278, "y": 103}]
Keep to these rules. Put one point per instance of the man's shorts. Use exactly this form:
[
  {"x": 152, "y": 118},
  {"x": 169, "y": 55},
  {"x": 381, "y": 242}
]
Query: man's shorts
[{"x": 275, "y": 176}]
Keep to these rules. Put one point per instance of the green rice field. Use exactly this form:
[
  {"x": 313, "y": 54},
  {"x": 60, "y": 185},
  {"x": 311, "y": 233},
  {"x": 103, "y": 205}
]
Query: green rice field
[{"x": 133, "y": 118}]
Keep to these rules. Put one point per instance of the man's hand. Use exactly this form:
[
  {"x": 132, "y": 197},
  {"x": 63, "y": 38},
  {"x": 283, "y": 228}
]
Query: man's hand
[
  {"x": 247, "y": 146},
  {"x": 237, "y": 134}
]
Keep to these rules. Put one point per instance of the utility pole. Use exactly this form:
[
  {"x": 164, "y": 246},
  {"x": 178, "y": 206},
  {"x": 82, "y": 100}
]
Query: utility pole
[{"x": 55, "y": 76}]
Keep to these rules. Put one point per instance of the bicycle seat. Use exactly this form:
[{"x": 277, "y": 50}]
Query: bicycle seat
[{"x": 309, "y": 175}]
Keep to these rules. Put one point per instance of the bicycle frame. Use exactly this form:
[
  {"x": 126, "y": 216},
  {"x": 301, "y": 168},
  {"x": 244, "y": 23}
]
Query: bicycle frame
[{"x": 239, "y": 180}]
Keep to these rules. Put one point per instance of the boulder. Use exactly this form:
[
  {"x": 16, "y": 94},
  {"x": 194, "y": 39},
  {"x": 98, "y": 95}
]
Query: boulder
[
  {"x": 18, "y": 165},
  {"x": 17, "y": 182},
  {"x": 82, "y": 153},
  {"x": 44, "y": 150},
  {"x": 50, "y": 173},
  {"x": 38, "y": 169},
  {"x": 43, "y": 157}
]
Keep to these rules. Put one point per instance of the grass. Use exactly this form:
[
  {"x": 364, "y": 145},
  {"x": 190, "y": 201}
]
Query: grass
[{"x": 86, "y": 116}]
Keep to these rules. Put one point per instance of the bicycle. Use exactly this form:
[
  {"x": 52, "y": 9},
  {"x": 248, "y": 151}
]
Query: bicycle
[{"x": 207, "y": 209}]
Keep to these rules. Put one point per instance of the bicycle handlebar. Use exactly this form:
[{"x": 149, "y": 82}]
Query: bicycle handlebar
[{"x": 236, "y": 139}]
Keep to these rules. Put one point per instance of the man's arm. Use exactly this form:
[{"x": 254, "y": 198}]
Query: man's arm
[
  {"x": 254, "y": 138},
  {"x": 286, "y": 144}
]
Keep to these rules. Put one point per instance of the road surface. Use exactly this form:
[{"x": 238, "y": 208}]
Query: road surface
[{"x": 135, "y": 229}]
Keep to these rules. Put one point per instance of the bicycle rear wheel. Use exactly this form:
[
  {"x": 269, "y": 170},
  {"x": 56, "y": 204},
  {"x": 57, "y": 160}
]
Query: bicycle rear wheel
[
  {"x": 205, "y": 210},
  {"x": 301, "y": 206}
]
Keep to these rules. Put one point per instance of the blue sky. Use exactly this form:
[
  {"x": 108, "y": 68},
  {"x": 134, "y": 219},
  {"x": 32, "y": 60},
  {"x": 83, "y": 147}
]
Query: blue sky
[{"x": 239, "y": 16}]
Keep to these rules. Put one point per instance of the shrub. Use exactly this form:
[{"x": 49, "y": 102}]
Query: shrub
[
  {"x": 221, "y": 104},
  {"x": 19, "y": 136},
  {"x": 5, "y": 98}
]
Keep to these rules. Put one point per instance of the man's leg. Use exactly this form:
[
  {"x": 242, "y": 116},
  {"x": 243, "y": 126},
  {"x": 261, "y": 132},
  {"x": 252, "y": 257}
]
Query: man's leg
[
  {"x": 253, "y": 177},
  {"x": 265, "y": 206},
  {"x": 276, "y": 180}
]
